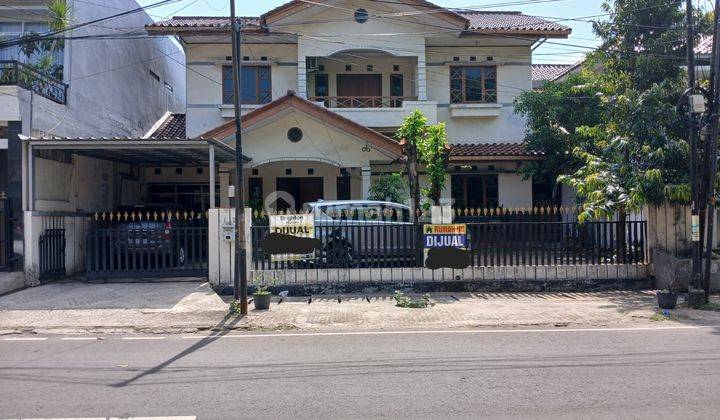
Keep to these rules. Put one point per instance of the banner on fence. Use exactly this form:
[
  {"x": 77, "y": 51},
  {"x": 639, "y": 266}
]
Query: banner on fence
[
  {"x": 440, "y": 236},
  {"x": 300, "y": 225}
]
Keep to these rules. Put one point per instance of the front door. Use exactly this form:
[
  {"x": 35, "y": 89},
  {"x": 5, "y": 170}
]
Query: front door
[
  {"x": 359, "y": 90},
  {"x": 302, "y": 190}
]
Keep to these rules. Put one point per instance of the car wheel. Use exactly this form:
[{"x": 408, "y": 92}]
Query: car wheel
[
  {"x": 341, "y": 255},
  {"x": 180, "y": 257}
]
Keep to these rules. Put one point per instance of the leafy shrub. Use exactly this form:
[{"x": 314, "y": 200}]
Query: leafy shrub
[{"x": 404, "y": 301}]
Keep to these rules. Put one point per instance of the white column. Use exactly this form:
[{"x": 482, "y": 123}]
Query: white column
[
  {"x": 421, "y": 77},
  {"x": 213, "y": 169},
  {"x": 365, "y": 182},
  {"x": 224, "y": 189},
  {"x": 302, "y": 78}
]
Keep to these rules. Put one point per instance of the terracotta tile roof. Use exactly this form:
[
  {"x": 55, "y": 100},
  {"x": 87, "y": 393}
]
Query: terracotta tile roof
[
  {"x": 172, "y": 128},
  {"x": 203, "y": 23},
  {"x": 470, "y": 151},
  {"x": 510, "y": 22},
  {"x": 474, "y": 20},
  {"x": 704, "y": 45},
  {"x": 548, "y": 71}
]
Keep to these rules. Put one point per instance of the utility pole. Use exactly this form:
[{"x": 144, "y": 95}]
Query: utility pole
[
  {"x": 240, "y": 281},
  {"x": 692, "y": 140}
]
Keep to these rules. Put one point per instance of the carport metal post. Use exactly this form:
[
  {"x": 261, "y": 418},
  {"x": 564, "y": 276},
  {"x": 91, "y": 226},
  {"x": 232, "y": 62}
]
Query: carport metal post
[
  {"x": 211, "y": 154},
  {"x": 240, "y": 281}
]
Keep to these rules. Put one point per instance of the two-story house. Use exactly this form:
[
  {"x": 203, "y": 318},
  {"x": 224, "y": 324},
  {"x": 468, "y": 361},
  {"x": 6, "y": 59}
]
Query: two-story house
[
  {"x": 326, "y": 84},
  {"x": 105, "y": 79}
]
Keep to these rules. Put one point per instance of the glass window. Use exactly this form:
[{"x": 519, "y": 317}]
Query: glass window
[
  {"x": 473, "y": 84},
  {"x": 256, "y": 85}
]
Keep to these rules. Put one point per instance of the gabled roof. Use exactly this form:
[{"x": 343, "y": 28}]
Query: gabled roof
[
  {"x": 169, "y": 126},
  {"x": 491, "y": 151},
  {"x": 295, "y": 6},
  {"x": 278, "y": 106},
  {"x": 548, "y": 71},
  {"x": 469, "y": 21}
]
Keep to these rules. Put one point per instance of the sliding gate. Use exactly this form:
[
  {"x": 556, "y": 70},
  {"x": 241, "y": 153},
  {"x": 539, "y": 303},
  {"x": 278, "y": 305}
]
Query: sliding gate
[{"x": 145, "y": 245}]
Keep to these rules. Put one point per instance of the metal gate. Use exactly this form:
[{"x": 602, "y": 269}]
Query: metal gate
[
  {"x": 52, "y": 248},
  {"x": 6, "y": 235},
  {"x": 144, "y": 245}
]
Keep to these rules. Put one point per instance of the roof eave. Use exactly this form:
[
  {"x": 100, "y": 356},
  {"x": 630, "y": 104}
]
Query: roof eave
[{"x": 534, "y": 33}]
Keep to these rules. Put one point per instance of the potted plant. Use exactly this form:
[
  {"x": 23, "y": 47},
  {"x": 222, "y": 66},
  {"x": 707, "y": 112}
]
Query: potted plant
[
  {"x": 667, "y": 298},
  {"x": 261, "y": 296}
]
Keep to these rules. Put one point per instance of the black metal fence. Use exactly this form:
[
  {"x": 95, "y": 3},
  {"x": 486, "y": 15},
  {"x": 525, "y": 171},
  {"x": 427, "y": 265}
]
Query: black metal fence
[
  {"x": 6, "y": 234},
  {"x": 146, "y": 246},
  {"x": 19, "y": 74},
  {"x": 389, "y": 245},
  {"x": 52, "y": 248}
]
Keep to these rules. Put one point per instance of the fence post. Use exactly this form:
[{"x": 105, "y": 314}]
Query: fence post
[{"x": 248, "y": 243}]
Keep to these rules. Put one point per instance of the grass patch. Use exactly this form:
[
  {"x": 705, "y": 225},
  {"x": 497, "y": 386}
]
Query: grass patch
[
  {"x": 664, "y": 315},
  {"x": 712, "y": 306},
  {"x": 404, "y": 301}
]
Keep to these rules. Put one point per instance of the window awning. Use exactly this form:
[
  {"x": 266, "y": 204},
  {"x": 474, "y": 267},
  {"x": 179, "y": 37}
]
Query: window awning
[{"x": 141, "y": 152}]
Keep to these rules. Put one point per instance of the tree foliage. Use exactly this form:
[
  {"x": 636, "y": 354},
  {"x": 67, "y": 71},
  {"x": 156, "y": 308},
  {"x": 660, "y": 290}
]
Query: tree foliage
[
  {"x": 619, "y": 141},
  {"x": 58, "y": 20},
  {"x": 389, "y": 187},
  {"x": 430, "y": 144}
]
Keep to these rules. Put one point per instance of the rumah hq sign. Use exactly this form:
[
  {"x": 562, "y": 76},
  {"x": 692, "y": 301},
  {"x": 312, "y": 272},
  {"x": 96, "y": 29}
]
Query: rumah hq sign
[{"x": 445, "y": 246}]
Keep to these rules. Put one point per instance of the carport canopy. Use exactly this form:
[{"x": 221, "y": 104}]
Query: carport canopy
[{"x": 138, "y": 152}]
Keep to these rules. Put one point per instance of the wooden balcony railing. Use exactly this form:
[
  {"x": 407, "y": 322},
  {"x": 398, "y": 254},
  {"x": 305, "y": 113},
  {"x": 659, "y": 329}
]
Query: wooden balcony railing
[
  {"x": 27, "y": 77},
  {"x": 362, "y": 101}
]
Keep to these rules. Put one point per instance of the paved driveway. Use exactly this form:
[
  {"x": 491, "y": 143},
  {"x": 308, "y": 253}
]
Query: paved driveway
[{"x": 115, "y": 305}]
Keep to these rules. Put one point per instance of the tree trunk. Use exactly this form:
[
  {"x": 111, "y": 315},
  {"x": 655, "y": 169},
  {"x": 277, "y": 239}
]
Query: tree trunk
[{"x": 414, "y": 185}]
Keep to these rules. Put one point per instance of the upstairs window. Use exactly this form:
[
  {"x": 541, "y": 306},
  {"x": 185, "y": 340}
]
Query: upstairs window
[
  {"x": 256, "y": 86},
  {"x": 13, "y": 31},
  {"x": 473, "y": 84}
]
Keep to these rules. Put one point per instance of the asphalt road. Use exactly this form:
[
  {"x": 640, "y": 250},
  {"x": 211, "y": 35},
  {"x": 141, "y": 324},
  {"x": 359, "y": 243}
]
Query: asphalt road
[{"x": 558, "y": 373}]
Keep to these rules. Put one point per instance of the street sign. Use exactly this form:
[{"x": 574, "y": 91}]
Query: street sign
[{"x": 300, "y": 225}]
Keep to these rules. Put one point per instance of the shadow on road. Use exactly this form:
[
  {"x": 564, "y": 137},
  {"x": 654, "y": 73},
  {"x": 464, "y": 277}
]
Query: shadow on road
[{"x": 219, "y": 330}]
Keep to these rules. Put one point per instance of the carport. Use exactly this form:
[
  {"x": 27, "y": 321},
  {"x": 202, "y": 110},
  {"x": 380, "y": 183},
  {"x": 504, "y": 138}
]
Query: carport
[{"x": 78, "y": 190}]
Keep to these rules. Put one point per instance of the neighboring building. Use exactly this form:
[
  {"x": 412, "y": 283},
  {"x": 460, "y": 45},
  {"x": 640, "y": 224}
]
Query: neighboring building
[
  {"x": 543, "y": 73},
  {"x": 99, "y": 87},
  {"x": 320, "y": 109}
]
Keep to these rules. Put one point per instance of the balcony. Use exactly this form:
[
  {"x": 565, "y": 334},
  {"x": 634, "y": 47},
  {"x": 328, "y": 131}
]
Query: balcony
[
  {"x": 363, "y": 101},
  {"x": 15, "y": 73}
]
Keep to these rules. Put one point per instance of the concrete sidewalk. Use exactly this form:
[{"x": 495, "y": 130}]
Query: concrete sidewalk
[{"x": 193, "y": 307}]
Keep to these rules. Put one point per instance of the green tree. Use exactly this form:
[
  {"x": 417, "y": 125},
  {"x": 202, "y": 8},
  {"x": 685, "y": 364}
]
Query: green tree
[
  {"x": 389, "y": 187},
  {"x": 427, "y": 145}
]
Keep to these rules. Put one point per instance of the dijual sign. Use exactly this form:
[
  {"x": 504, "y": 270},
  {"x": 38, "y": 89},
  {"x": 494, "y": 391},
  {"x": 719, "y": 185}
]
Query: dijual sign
[
  {"x": 441, "y": 236},
  {"x": 300, "y": 225}
]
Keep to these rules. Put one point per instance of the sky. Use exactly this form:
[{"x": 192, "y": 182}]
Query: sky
[{"x": 550, "y": 52}]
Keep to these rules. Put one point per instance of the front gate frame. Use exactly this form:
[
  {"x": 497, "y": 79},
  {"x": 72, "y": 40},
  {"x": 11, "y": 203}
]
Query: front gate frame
[{"x": 52, "y": 244}]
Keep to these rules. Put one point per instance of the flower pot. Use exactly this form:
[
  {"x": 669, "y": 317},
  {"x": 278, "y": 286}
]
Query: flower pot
[
  {"x": 667, "y": 300},
  {"x": 262, "y": 302}
]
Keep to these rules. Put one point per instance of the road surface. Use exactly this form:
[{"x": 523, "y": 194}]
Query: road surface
[{"x": 490, "y": 373}]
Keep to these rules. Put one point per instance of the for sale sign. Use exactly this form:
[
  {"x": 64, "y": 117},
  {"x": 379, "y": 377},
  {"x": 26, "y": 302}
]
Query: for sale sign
[
  {"x": 299, "y": 225},
  {"x": 441, "y": 236}
]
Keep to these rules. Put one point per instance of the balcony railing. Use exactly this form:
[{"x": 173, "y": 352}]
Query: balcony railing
[
  {"x": 27, "y": 77},
  {"x": 362, "y": 101}
]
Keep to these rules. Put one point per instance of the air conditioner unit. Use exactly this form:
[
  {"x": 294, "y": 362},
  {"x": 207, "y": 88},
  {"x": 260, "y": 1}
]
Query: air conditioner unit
[{"x": 311, "y": 64}]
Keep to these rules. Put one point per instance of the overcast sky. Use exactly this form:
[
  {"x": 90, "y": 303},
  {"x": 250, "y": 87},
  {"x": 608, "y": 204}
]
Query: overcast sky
[{"x": 552, "y": 9}]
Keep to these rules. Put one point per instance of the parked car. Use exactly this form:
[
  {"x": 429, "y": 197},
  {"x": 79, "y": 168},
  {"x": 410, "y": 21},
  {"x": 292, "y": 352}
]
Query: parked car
[
  {"x": 148, "y": 237},
  {"x": 363, "y": 232}
]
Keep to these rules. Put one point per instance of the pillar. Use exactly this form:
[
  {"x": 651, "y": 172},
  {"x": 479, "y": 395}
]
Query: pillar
[
  {"x": 15, "y": 155},
  {"x": 421, "y": 77},
  {"x": 212, "y": 171},
  {"x": 365, "y": 170},
  {"x": 224, "y": 189}
]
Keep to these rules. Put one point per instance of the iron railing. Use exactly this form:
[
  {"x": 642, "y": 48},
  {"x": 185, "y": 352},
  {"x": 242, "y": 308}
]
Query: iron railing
[
  {"x": 27, "y": 77},
  {"x": 362, "y": 101},
  {"x": 350, "y": 244},
  {"x": 146, "y": 246}
]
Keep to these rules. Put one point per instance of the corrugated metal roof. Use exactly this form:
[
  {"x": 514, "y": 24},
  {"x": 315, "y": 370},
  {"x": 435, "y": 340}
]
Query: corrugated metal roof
[{"x": 204, "y": 22}]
